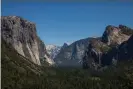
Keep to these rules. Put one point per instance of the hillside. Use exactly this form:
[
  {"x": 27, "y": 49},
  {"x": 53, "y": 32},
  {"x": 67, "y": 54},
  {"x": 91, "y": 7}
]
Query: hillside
[
  {"x": 15, "y": 68},
  {"x": 19, "y": 73},
  {"x": 25, "y": 63}
]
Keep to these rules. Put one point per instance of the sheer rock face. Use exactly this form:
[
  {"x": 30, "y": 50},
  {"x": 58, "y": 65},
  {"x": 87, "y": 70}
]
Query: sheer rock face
[
  {"x": 22, "y": 35},
  {"x": 114, "y": 35},
  {"x": 125, "y": 50},
  {"x": 103, "y": 51},
  {"x": 71, "y": 55}
]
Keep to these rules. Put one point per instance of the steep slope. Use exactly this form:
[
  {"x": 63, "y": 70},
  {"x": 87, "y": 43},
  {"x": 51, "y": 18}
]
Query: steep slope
[
  {"x": 105, "y": 51},
  {"x": 15, "y": 66},
  {"x": 22, "y": 35},
  {"x": 19, "y": 73},
  {"x": 72, "y": 55}
]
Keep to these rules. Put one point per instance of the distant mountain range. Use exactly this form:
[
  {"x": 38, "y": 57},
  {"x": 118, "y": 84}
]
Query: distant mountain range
[
  {"x": 72, "y": 55},
  {"x": 91, "y": 51},
  {"x": 95, "y": 50},
  {"x": 26, "y": 63},
  {"x": 54, "y": 50},
  {"x": 112, "y": 47}
]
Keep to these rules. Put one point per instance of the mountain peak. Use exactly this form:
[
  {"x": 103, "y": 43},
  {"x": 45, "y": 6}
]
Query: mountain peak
[
  {"x": 65, "y": 45},
  {"x": 116, "y": 35},
  {"x": 50, "y": 46}
]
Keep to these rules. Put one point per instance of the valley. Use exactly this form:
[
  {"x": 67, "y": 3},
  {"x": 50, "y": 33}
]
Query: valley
[{"x": 90, "y": 63}]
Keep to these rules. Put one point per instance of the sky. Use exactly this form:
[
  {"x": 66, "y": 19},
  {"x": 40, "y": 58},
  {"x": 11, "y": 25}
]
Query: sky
[{"x": 60, "y": 22}]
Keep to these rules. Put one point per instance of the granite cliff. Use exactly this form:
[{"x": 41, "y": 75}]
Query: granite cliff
[
  {"x": 114, "y": 45},
  {"x": 22, "y": 35},
  {"x": 71, "y": 55}
]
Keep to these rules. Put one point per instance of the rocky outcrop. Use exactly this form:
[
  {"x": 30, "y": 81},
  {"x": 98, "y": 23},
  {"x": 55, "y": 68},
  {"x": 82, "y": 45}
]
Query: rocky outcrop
[
  {"x": 64, "y": 46},
  {"x": 71, "y": 55},
  {"x": 114, "y": 35},
  {"x": 111, "y": 47},
  {"x": 22, "y": 35}
]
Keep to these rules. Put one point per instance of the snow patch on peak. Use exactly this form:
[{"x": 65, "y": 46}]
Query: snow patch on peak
[
  {"x": 68, "y": 43},
  {"x": 50, "y": 46},
  {"x": 53, "y": 50}
]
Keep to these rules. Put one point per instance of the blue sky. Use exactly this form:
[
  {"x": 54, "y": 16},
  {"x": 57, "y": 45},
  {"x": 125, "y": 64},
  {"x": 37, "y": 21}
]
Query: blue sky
[{"x": 67, "y": 22}]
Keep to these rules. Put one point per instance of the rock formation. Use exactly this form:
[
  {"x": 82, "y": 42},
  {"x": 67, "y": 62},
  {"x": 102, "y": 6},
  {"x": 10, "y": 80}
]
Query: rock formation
[
  {"x": 22, "y": 35},
  {"x": 71, "y": 55},
  {"x": 111, "y": 47}
]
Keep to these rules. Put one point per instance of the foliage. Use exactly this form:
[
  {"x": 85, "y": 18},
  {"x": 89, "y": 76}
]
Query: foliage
[
  {"x": 16, "y": 75},
  {"x": 105, "y": 48}
]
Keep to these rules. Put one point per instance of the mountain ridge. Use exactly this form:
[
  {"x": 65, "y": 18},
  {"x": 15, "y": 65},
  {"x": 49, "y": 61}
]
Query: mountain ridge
[
  {"x": 72, "y": 54},
  {"x": 101, "y": 52},
  {"x": 21, "y": 72}
]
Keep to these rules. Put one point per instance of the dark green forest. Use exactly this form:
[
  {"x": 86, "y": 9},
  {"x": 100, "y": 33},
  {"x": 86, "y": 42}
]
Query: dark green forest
[{"x": 18, "y": 73}]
